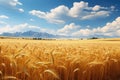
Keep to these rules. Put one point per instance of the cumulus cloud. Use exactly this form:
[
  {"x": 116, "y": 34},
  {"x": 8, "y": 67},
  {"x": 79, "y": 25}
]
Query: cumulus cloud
[
  {"x": 68, "y": 29},
  {"x": 80, "y": 10},
  {"x": 20, "y": 28},
  {"x": 98, "y": 7},
  {"x": 111, "y": 29},
  {"x": 54, "y": 16},
  {"x": 3, "y": 17},
  {"x": 83, "y": 32}
]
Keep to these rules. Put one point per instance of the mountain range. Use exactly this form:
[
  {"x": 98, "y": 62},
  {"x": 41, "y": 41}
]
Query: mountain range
[{"x": 32, "y": 34}]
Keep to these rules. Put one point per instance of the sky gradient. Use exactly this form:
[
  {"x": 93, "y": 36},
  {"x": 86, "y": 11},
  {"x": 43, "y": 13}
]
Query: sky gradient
[{"x": 64, "y": 17}]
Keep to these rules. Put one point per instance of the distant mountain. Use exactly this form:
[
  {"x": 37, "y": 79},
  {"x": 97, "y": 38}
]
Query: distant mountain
[
  {"x": 31, "y": 34},
  {"x": 34, "y": 34}
]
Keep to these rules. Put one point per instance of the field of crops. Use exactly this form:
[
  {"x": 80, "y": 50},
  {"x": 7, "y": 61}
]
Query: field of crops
[{"x": 59, "y": 59}]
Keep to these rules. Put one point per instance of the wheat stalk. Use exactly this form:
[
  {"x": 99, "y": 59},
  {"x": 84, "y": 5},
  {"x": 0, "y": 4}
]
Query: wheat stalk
[
  {"x": 75, "y": 70},
  {"x": 1, "y": 75},
  {"x": 22, "y": 48},
  {"x": 9, "y": 78},
  {"x": 52, "y": 73},
  {"x": 52, "y": 57},
  {"x": 0, "y": 49}
]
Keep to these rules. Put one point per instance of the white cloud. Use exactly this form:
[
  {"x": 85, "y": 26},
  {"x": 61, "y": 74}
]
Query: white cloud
[
  {"x": 96, "y": 14},
  {"x": 80, "y": 10},
  {"x": 3, "y": 17},
  {"x": 83, "y": 11},
  {"x": 54, "y": 16},
  {"x": 24, "y": 27},
  {"x": 110, "y": 29},
  {"x": 14, "y": 4},
  {"x": 96, "y": 8},
  {"x": 2, "y": 22},
  {"x": 21, "y": 10},
  {"x": 15, "y": 28},
  {"x": 77, "y": 9},
  {"x": 83, "y": 32},
  {"x": 20, "y": 28},
  {"x": 68, "y": 29},
  {"x": 11, "y": 3},
  {"x": 37, "y": 13}
]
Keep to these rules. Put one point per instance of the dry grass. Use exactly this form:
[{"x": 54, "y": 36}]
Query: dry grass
[{"x": 59, "y": 60}]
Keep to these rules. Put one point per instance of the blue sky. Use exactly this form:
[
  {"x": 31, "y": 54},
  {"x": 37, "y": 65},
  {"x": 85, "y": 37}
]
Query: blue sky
[{"x": 64, "y": 17}]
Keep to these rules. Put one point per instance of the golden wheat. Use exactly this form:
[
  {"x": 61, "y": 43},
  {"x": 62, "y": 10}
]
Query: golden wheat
[{"x": 59, "y": 60}]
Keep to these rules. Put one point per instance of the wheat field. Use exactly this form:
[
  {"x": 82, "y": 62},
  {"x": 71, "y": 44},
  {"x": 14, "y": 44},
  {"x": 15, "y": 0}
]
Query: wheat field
[{"x": 60, "y": 59}]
